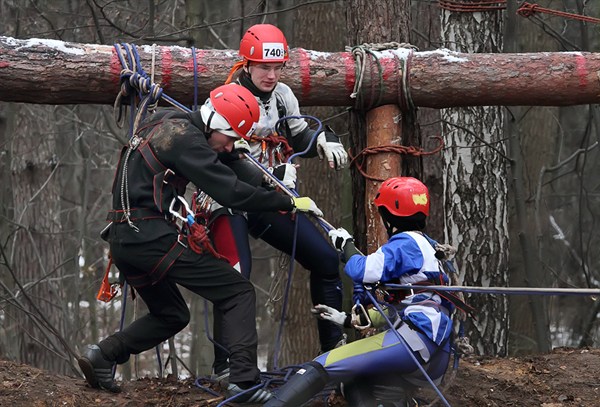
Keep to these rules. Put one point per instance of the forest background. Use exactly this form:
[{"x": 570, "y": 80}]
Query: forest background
[{"x": 513, "y": 189}]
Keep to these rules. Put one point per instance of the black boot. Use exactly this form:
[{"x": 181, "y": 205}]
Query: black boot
[
  {"x": 97, "y": 369},
  {"x": 301, "y": 387}
]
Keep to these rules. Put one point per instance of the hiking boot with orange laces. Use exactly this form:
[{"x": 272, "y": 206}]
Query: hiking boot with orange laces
[{"x": 97, "y": 370}]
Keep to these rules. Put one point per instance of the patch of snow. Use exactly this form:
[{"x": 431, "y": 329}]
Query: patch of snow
[
  {"x": 448, "y": 55},
  {"x": 54, "y": 44},
  {"x": 317, "y": 54}
]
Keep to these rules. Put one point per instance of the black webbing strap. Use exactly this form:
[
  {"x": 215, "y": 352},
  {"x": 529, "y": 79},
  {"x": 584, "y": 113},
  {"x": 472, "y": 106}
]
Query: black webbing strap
[
  {"x": 167, "y": 260},
  {"x": 161, "y": 173}
]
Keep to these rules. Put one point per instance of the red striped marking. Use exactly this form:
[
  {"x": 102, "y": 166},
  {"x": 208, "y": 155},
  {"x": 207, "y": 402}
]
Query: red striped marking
[
  {"x": 582, "y": 71},
  {"x": 304, "y": 72},
  {"x": 115, "y": 68},
  {"x": 166, "y": 67},
  {"x": 390, "y": 68},
  {"x": 189, "y": 64},
  {"x": 350, "y": 74}
]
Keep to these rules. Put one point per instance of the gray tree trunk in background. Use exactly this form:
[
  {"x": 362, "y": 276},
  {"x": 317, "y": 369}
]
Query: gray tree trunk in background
[
  {"x": 556, "y": 156},
  {"x": 531, "y": 134},
  {"x": 475, "y": 187},
  {"x": 36, "y": 252},
  {"x": 36, "y": 258}
]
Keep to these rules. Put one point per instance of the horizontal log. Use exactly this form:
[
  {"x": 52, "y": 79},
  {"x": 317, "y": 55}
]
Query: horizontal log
[{"x": 56, "y": 72}]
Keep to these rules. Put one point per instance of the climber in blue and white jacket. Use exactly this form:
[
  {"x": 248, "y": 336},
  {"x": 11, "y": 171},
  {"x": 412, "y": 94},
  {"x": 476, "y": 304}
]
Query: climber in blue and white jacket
[{"x": 380, "y": 368}]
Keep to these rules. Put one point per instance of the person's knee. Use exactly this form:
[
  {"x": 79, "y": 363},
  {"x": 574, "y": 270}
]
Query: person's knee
[
  {"x": 325, "y": 264},
  {"x": 247, "y": 292},
  {"x": 179, "y": 320}
]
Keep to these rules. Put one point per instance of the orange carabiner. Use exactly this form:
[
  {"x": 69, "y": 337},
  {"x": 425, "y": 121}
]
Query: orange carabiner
[{"x": 107, "y": 290}]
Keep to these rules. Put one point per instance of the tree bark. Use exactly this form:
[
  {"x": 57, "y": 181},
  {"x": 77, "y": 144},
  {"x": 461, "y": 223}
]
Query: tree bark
[
  {"x": 388, "y": 20},
  {"x": 56, "y": 72},
  {"x": 475, "y": 188},
  {"x": 381, "y": 131}
]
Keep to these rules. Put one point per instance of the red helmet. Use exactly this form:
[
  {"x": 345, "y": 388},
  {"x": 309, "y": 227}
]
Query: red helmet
[
  {"x": 232, "y": 110},
  {"x": 264, "y": 43},
  {"x": 403, "y": 196}
]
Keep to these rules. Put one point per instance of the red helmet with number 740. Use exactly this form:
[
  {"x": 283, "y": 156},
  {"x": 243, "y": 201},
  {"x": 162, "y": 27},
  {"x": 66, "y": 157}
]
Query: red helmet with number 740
[
  {"x": 264, "y": 43},
  {"x": 403, "y": 196}
]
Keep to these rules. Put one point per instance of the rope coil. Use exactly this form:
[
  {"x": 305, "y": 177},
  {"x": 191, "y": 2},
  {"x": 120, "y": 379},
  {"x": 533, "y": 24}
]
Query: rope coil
[
  {"x": 359, "y": 159},
  {"x": 361, "y": 55}
]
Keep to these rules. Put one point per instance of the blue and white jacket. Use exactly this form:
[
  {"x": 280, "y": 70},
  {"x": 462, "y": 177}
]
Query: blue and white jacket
[{"x": 409, "y": 258}]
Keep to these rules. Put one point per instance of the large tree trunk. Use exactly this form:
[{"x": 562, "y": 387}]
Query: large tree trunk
[
  {"x": 84, "y": 73},
  {"x": 475, "y": 187},
  {"x": 532, "y": 135},
  {"x": 388, "y": 21},
  {"x": 37, "y": 252}
]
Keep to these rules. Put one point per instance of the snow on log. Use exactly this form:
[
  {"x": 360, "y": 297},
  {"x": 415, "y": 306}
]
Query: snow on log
[{"x": 56, "y": 72}]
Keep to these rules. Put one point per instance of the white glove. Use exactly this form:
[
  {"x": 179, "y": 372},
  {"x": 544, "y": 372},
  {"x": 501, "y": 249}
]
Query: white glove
[
  {"x": 329, "y": 314},
  {"x": 305, "y": 204},
  {"x": 242, "y": 146},
  {"x": 333, "y": 151},
  {"x": 286, "y": 173},
  {"x": 339, "y": 237}
]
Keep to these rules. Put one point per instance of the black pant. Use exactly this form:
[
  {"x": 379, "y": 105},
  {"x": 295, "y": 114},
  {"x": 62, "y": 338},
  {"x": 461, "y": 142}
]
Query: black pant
[
  {"x": 313, "y": 252},
  {"x": 211, "y": 278}
]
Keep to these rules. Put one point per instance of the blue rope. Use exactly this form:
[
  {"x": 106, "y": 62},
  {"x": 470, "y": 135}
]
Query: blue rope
[
  {"x": 286, "y": 297},
  {"x": 207, "y": 328},
  {"x": 312, "y": 140},
  {"x": 205, "y": 388},
  {"x": 122, "y": 321}
]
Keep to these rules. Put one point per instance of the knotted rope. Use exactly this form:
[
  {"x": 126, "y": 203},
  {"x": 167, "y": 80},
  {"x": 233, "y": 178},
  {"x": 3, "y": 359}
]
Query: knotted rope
[
  {"x": 359, "y": 159},
  {"x": 527, "y": 10},
  {"x": 361, "y": 55},
  {"x": 472, "y": 7}
]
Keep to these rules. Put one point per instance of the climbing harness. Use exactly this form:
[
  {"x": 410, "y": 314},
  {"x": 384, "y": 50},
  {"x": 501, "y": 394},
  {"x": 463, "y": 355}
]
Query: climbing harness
[{"x": 192, "y": 232}]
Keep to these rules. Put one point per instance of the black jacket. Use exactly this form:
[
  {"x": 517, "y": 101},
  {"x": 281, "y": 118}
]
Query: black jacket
[{"x": 179, "y": 143}]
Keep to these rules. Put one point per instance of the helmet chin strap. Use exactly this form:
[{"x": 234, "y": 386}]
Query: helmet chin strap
[{"x": 389, "y": 228}]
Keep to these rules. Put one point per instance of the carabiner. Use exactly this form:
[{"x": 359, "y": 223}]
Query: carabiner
[
  {"x": 356, "y": 321},
  {"x": 189, "y": 219}
]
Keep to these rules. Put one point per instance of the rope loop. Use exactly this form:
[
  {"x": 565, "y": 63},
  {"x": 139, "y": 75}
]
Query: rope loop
[
  {"x": 528, "y": 10},
  {"x": 134, "y": 80},
  {"x": 361, "y": 54},
  {"x": 359, "y": 159}
]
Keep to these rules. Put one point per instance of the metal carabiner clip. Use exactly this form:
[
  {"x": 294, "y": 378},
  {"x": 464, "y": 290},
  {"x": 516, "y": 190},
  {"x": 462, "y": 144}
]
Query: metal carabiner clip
[
  {"x": 189, "y": 219},
  {"x": 356, "y": 317}
]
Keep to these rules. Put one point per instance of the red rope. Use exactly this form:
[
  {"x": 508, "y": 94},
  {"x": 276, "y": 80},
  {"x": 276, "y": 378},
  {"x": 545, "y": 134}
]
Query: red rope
[
  {"x": 472, "y": 6},
  {"x": 199, "y": 242},
  {"x": 359, "y": 160},
  {"x": 273, "y": 141},
  {"x": 527, "y": 10}
]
